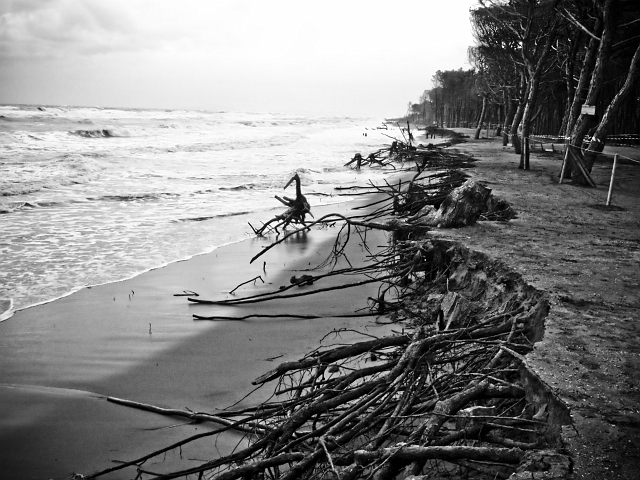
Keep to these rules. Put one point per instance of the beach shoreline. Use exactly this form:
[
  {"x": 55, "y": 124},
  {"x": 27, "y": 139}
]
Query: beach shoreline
[
  {"x": 134, "y": 339},
  {"x": 78, "y": 211},
  {"x": 577, "y": 358}
]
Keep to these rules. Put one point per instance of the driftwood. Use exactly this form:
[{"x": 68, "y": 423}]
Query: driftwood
[
  {"x": 463, "y": 206},
  {"x": 443, "y": 394},
  {"x": 281, "y": 315},
  {"x": 298, "y": 209},
  {"x": 347, "y": 411},
  {"x": 194, "y": 416}
]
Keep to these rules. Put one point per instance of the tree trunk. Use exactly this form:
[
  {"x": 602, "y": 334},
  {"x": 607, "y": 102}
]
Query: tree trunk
[
  {"x": 585, "y": 75},
  {"x": 534, "y": 83},
  {"x": 581, "y": 126},
  {"x": 481, "y": 119},
  {"x": 517, "y": 118},
  {"x": 599, "y": 137},
  {"x": 534, "y": 71},
  {"x": 570, "y": 82},
  {"x": 511, "y": 111},
  {"x": 584, "y": 122}
]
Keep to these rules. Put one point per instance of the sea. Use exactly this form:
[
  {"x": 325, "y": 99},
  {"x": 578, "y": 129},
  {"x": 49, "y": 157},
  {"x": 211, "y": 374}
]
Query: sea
[{"x": 94, "y": 195}]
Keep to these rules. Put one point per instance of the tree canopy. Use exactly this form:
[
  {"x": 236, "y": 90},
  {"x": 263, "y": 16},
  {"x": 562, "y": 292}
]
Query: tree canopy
[{"x": 536, "y": 63}]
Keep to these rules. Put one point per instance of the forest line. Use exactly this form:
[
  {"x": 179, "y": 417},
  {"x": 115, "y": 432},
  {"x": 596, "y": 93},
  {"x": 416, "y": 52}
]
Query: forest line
[{"x": 545, "y": 67}]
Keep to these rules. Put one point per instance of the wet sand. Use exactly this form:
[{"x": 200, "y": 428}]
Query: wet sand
[{"x": 135, "y": 340}]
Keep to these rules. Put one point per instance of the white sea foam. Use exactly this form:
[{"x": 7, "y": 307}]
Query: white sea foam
[
  {"x": 80, "y": 210},
  {"x": 6, "y": 308}
]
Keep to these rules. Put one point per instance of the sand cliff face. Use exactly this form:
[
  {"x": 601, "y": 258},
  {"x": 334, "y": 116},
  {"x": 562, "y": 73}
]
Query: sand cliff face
[{"x": 479, "y": 287}]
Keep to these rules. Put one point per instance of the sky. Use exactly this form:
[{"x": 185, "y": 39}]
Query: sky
[{"x": 324, "y": 57}]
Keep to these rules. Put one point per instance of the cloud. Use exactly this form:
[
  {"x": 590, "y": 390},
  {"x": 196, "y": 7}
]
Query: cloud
[
  {"x": 59, "y": 28},
  {"x": 276, "y": 55}
]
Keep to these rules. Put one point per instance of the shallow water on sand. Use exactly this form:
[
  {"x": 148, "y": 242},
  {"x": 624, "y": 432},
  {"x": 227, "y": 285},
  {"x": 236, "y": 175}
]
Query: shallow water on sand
[{"x": 90, "y": 195}]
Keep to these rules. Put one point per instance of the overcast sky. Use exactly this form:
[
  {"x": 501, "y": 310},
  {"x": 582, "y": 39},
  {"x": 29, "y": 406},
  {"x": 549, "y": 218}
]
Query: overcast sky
[{"x": 344, "y": 57}]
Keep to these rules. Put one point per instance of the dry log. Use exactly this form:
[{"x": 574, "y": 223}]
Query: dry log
[
  {"x": 463, "y": 206},
  {"x": 412, "y": 453},
  {"x": 332, "y": 356},
  {"x": 248, "y": 426},
  {"x": 284, "y": 315},
  {"x": 260, "y": 466}
]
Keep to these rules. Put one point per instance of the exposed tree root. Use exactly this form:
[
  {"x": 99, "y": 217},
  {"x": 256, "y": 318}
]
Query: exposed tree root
[{"x": 445, "y": 395}]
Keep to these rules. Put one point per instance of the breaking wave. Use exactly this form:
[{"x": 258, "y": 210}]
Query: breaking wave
[
  {"x": 87, "y": 208},
  {"x": 101, "y": 133},
  {"x": 12, "y": 207},
  {"x": 136, "y": 197},
  {"x": 211, "y": 217},
  {"x": 246, "y": 186},
  {"x": 20, "y": 178}
]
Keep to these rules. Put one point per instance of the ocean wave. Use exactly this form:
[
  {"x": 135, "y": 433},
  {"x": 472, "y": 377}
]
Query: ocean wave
[
  {"x": 204, "y": 147},
  {"x": 11, "y": 207},
  {"x": 101, "y": 133},
  {"x": 136, "y": 197},
  {"x": 211, "y": 217},
  {"x": 25, "y": 177},
  {"x": 246, "y": 186},
  {"x": 15, "y": 206},
  {"x": 10, "y": 190}
]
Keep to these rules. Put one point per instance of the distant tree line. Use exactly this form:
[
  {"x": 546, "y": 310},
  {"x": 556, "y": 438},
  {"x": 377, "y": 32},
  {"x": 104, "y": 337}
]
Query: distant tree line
[
  {"x": 454, "y": 101},
  {"x": 538, "y": 67}
]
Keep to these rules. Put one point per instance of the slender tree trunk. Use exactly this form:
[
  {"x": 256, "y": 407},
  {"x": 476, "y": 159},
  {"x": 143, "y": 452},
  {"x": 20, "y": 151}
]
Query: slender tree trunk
[
  {"x": 584, "y": 122},
  {"x": 526, "y": 120},
  {"x": 481, "y": 119},
  {"x": 534, "y": 71},
  {"x": 517, "y": 117},
  {"x": 585, "y": 75},
  {"x": 570, "y": 83},
  {"x": 593, "y": 69},
  {"x": 511, "y": 111},
  {"x": 599, "y": 137}
]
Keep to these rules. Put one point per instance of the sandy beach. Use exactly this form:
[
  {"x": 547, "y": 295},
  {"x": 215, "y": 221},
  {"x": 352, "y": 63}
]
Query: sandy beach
[{"x": 135, "y": 340}]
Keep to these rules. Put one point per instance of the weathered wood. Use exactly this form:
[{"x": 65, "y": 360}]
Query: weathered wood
[
  {"x": 200, "y": 417},
  {"x": 463, "y": 206},
  {"x": 409, "y": 453},
  {"x": 284, "y": 315},
  {"x": 333, "y": 355},
  {"x": 260, "y": 466}
]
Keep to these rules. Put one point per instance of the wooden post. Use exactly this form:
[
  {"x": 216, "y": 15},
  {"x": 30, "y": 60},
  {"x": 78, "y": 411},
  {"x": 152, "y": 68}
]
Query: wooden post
[
  {"x": 613, "y": 174},
  {"x": 564, "y": 162}
]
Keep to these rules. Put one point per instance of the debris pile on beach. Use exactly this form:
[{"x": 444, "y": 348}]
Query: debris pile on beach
[{"x": 448, "y": 393}]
